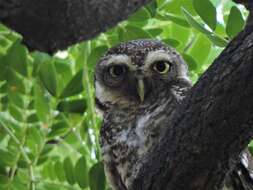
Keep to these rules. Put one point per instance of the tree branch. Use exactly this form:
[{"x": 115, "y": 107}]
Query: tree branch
[
  {"x": 207, "y": 132},
  {"x": 210, "y": 129},
  {"x": 48, "y": 25}
]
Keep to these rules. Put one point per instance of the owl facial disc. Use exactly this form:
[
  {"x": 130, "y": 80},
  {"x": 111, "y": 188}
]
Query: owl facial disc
[{"x": 134, "y": 73}]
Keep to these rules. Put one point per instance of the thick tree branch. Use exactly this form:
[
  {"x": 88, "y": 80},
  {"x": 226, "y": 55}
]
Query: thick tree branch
[
  {"x": 210, "y": 129},
  {"x": 49, "y": 25},
  {"x": 207, "y": 132}
]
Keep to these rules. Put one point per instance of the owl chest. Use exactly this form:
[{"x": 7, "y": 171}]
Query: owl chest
[{"x": 128, "y": 137}]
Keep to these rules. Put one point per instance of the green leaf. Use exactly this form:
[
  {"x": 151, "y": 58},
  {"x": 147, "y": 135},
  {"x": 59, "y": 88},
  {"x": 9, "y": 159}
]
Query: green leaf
[
  {"x": 171, "y": 42},
  {"x": 250, "y": 147},
  {"x": 7, "y": 158},
  {"x": 216, "y": 3},
  {"x": 58, "y": 129},
  {"x": 213, "y": 55},
  {"x": 174, "y": 6},
  {"x": 37, "y": 137},
  {"x": 52, "y": 186},
  {"x": 15, "y": 81},
  {"x": 5, "y": 44},
  {"x": 73, "y": 106},
  {"x": 46, "y": 150},
  {"x": 81, "y": 172},
  {"x": 194, "y": 23},
  {"x": 16, "y": 113},
  {"x": 50, "y": 170},
  {"x": 3, "y": 68},
  {"x": 218, "y": 41},
  {"x": 97, "y": 177},
  {"x": 4, "y": 182},
  {"x": 213, "y": 37},
  {"x": 16, "y": 98},
  {"x": 33, "y": 118},
  {"x": 112, "y": 39},
  {"x": 235, "y": 22},
  {"x": 17, "y": 58},
  {"x": 95, "y": 54},
  {"x": 23, "y": 176},
  {"x": 201, "y": 43},
  {"x": 155, "y": 31},
  {"x": 140, "y": 16},
  {"x": 39, "y": 59},
  {"x": 206, "y": 11},
  {"x": 80, "y": 54},
  {"x": 131, "y": 32},
  {"x": 18, "y": 185},
  {"x": 42, "y": 160},
  {"x": 190, "y": 62},
  {"x": 41, "y": 104},
  {"x": 180, "y": 34},
  {"x": 220, "y": 30},
  {"x": 58, "y": 167},
  {"x": 174, "y": 18},
  {"x": 6, "y": 120},
  {"x": 74, "y": 87},
  {"x": 48, "y": 77},
  {"x": 64, "y": 72},
  {"x": 69, "y": 171},
  {"x": 152, "y": 8}
]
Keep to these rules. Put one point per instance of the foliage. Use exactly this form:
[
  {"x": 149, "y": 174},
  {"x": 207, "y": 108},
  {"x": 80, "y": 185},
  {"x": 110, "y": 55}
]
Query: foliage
[{"x": 48, "y": 126}]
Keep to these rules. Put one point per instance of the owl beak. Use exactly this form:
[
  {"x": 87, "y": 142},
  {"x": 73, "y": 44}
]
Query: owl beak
[{"x": 141, "y": 89}]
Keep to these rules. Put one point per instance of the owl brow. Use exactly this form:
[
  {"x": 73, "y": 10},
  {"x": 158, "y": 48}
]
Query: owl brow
[
  {"x": 158, "y": 55},
  {"x": 117, "y": 59}
]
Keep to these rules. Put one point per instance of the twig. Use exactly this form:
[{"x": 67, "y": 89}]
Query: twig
[{"x": 90, "y": 99}]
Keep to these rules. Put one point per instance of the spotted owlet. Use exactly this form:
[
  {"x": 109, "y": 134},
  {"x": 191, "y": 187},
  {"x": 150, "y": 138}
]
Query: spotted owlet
[{"x": 138, "y": 86}]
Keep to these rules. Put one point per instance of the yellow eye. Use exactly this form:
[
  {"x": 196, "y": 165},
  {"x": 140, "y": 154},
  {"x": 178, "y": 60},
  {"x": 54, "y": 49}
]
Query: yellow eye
[
  {"x": 117, "y": 71},
  {"x": 161, "y": 67}
]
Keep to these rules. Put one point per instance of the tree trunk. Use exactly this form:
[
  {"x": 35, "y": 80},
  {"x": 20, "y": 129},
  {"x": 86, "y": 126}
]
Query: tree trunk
[{"x": 209, "y": 130}]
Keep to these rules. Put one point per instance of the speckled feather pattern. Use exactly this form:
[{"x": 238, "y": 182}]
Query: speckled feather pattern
[
  {"x": 129, "y": 130},
  {"x": 138, "y": 49},
  {"x": 128, "y": 133}
]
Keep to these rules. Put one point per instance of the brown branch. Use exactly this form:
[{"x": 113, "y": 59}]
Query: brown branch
[
  {"x": 210, "y": 129},
  {"x": 50, "y": 25}
]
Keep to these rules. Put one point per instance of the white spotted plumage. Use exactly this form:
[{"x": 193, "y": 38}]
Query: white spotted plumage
[{"x": 131, "y": 126}]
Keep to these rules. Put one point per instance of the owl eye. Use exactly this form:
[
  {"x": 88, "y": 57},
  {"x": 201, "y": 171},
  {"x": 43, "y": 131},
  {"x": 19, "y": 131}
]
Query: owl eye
[
  {"x": 117, "y": 71},
  {"x": 161, "y": 67}
]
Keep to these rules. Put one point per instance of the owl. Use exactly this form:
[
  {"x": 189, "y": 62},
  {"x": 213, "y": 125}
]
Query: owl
[{"x": 138, "y": 85}]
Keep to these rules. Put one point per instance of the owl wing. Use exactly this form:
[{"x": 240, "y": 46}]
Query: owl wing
[
  {"x": 241, "y": 178},
  {"x": 114, "y": 176},
  {"x": 110, "y": 167}
]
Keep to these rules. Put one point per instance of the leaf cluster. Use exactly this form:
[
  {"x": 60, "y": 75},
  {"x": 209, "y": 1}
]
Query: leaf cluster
[{"x": 49, "y": 129}]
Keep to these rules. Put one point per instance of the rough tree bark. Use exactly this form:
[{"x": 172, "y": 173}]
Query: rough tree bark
[
  {"x": 212, "y": 126},
  {"x": 50, "y": 25}
]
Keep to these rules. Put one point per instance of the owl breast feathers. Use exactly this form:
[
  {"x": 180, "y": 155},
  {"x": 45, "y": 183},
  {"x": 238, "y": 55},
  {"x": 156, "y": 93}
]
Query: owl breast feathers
[{"x": 138, "y": 86}]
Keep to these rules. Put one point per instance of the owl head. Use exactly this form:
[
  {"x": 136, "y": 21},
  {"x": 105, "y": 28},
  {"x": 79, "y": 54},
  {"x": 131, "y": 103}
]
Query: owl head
[{"x": 135, "y": 72}]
